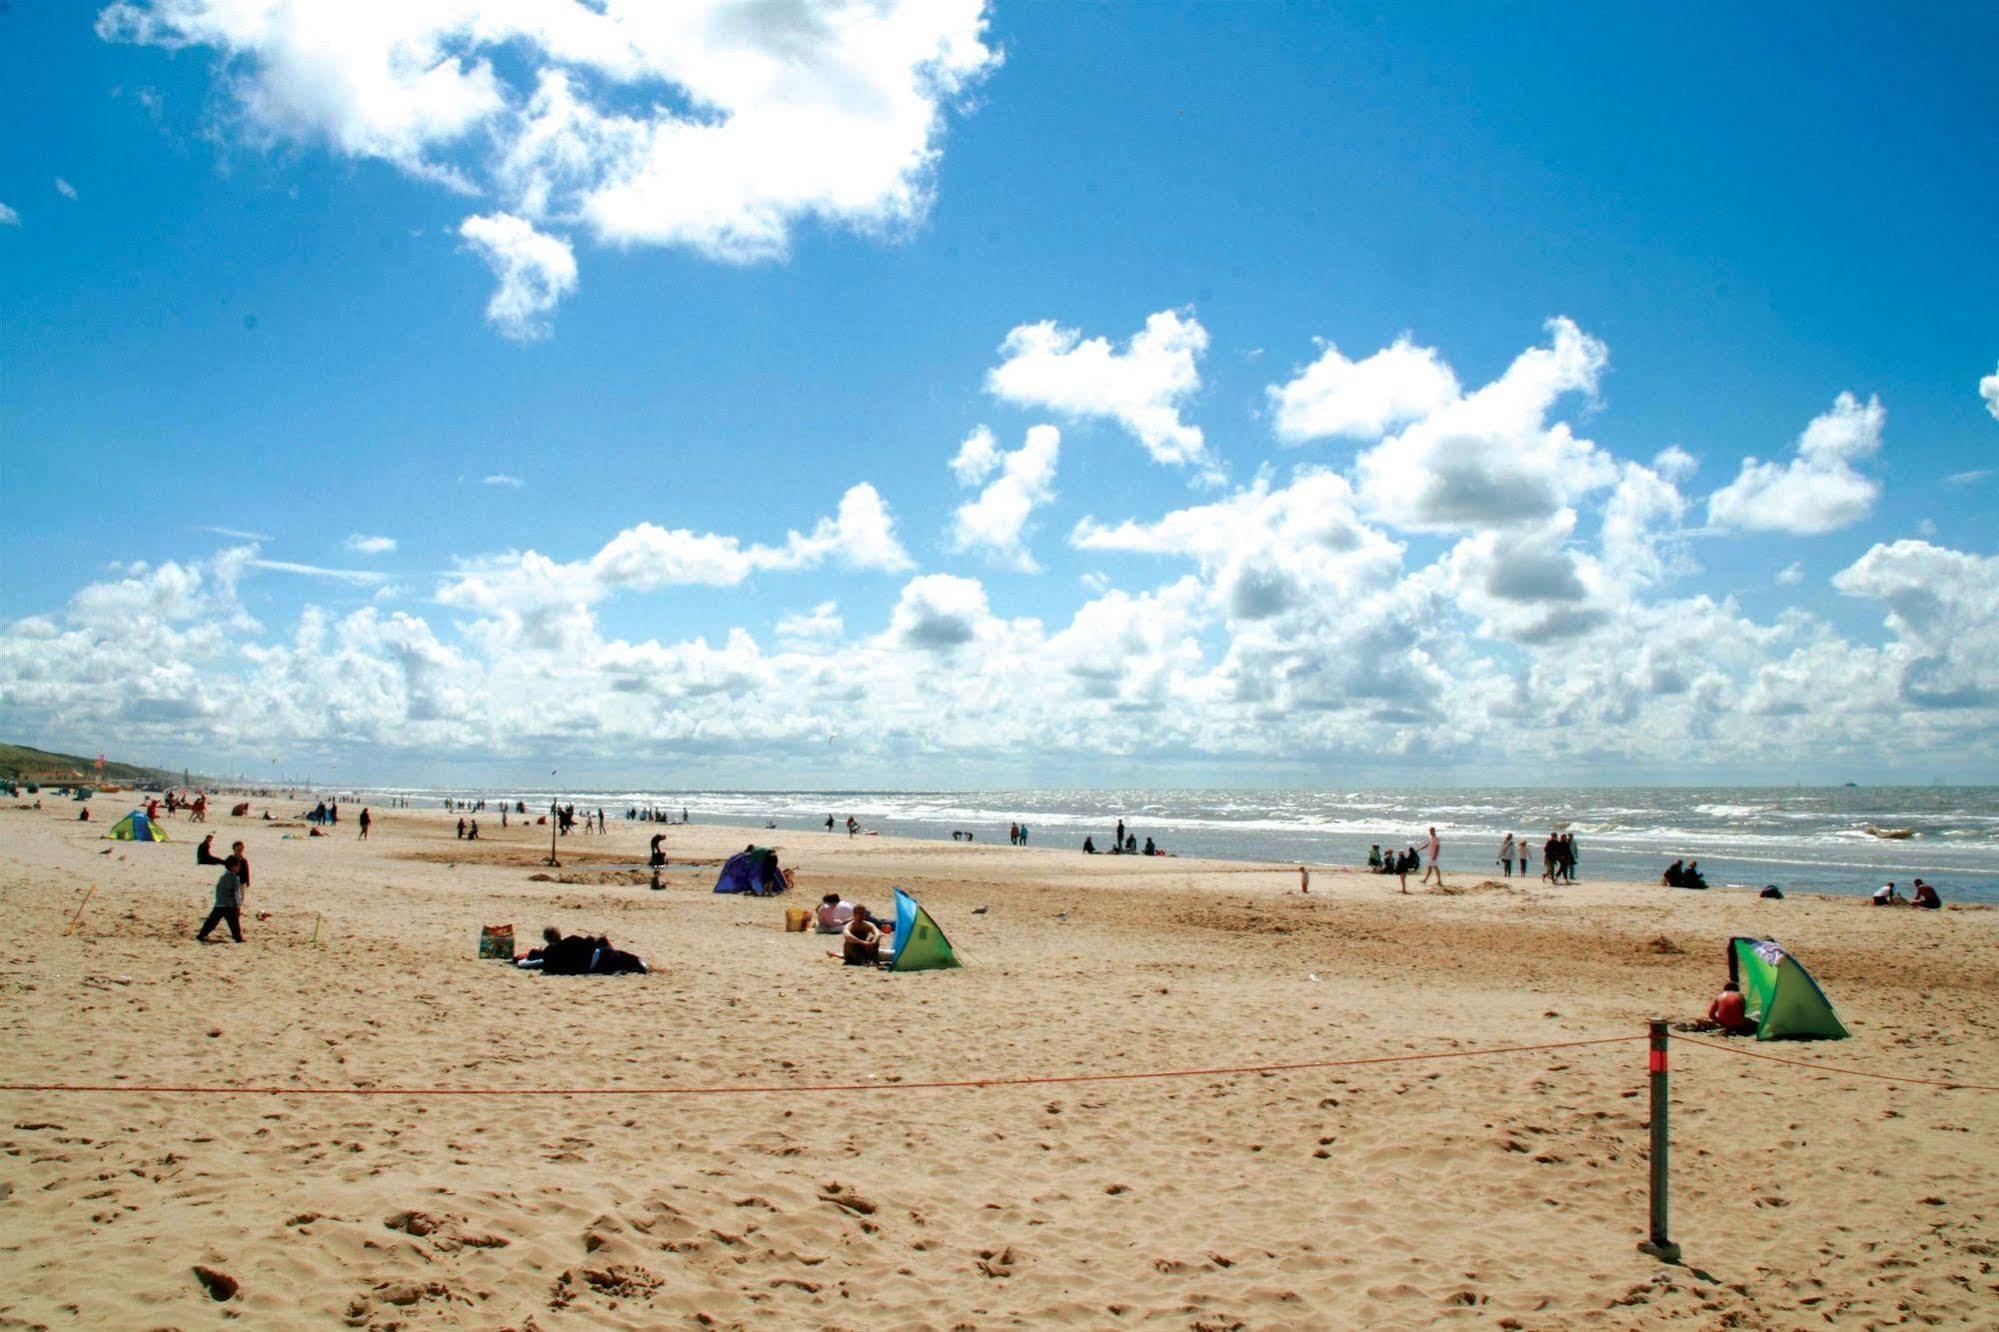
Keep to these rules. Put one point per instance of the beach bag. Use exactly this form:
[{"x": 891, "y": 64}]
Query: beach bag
[
  {"x": 497, "y": 941},
  {"x": 796, "y": 920}
]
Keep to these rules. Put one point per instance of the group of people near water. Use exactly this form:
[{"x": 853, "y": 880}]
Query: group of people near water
[
  {"x": 1123, "y": 843},
  {"x": 1922, "y": 896}
]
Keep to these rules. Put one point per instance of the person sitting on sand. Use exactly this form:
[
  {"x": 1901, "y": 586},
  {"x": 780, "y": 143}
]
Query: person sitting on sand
[
  {"x": 1150, "y": 849},
  {"x": 1730, "y": 1012},
  {"x": 1926, "y": 897},
  {"x": 1089, "y": 846},
  {"x": 205, "y": 853},
  {"x": 833, "y": 914},
  {"x": 860, "y": 942},
  {"x": 1886, "y": 895},
  {"x": 1675, "y": 875},
  {"x": 1693, "y": 878},
  {"x": 1374, "y": 858}
]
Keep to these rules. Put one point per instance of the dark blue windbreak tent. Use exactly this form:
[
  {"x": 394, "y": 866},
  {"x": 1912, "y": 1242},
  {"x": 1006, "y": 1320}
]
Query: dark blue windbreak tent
[{"x": 753, "y": 870}]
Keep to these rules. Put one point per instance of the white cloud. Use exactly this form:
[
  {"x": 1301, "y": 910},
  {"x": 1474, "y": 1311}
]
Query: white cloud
[
  {"x": 533, "y": 598},
  {"x": 997, "y": 520},
  {"x": 1491, "y": 458},
  {"x": 1142, "y": 387},
  {"x": 236, "y": 533},
  {"x": 362, "y": 544},
  {"x": 1818, "y": 490},
  {"x": 502, "y": 479},
  {"x": 1972, "y": 477},
  {"x": 1791, "y": 574},
  {"x": 1988, "y": 389},
  {"x": 362, "y": 576},
  {"x": 938, "y": 612},
  {"x": 815, "y": 628},
  {"x": 976, "y": 458},
  {"x": 713, "y": 125},
  {"x": 1943, "y": 608},
  {"x": 535, "y": 271},
  {"x": 1361, "y": 399},
  {"x": 65, "y": 189},
  {"x": 8, "y": 217}
]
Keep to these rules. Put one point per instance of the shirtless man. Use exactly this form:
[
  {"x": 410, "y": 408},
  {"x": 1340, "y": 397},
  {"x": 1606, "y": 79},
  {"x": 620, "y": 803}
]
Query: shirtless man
[
  {"x": 861, "y": 943},
  {"x": 1730, "y": 1012},
  {"x": 1431, "y": 850}
]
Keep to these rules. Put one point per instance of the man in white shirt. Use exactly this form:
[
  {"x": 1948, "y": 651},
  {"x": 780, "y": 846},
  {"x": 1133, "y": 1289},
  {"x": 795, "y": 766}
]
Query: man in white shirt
[{"x": 1431, "y": 849}]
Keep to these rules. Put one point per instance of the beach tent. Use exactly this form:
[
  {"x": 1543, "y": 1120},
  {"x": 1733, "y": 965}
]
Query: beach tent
[
  {"x": 136, "y": 827},
  {"x": 1780, "y": 994},
  {"x": 919, "y": 944},
  {"x": 751, "y": 871}
]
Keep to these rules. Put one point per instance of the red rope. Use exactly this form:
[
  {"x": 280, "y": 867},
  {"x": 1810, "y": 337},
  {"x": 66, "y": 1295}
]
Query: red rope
[
  {"x": 184, "y": 1090},
  {"x": 1834, "y": 1068}
]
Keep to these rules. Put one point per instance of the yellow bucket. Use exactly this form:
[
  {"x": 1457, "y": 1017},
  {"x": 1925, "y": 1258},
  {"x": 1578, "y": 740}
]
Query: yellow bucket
[{"x": 797, "y": 920}]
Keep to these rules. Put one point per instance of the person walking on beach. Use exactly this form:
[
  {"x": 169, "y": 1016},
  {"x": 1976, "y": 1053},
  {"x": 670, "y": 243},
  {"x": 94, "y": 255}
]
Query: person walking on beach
[
  {"x": 1506, "y": 855},
  {"x": 853, "y": 825},
  {"x": 228, "y": 902},
  {"x": 1569, "y": 856},
  {"x": 1551, "y": 857},
  {"x": 1432, "y": 848},
  {"x": 365, "y": 820}
]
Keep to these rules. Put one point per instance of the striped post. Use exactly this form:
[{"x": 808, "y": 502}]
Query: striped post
[{"x": 1658, "y": 1243}]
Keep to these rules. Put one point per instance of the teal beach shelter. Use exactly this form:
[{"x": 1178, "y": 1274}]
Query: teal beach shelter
[
  {"x": 136, "y": 827},
  {"x": 1780, "y": 994},
  {"x": 919, "y": 944}
]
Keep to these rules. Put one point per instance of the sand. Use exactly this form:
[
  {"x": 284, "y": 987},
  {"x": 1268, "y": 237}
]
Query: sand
[{"x": 1506, "y": 1190}]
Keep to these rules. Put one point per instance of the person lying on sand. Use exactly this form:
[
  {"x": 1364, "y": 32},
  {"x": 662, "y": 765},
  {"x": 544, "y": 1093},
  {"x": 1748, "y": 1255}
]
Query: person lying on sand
[
  {"x": 833, "y": 914},
  {"x": 1730, "y": 1013},
  {"x": 580, "y": 955}
]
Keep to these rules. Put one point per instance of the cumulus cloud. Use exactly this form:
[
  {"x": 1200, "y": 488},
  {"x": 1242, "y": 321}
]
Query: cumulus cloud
[
  {"x": 1943, "y": 608},
  {"x": 8, "y": 217},
  {"x": 1819, "y": 490},
  {"x": 362, "y": 544},
  {"x": 1143, "y": 386},
  {"x": 1362, "y": 399},
  {"x": 712, "y": 125},
  {"x": 1492, "y": 458},
  {"x": 532, "y": 597},
  {"x": 937, "y": 612},
  {"x": 1988, "y": 389},
  {"x": 535, "y": 272},
  {"x": 996, "y": 521}
]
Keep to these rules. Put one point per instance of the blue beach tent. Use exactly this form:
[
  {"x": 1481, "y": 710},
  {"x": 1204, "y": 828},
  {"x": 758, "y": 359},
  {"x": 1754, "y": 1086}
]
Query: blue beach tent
[{"x": 752, "y": 870}]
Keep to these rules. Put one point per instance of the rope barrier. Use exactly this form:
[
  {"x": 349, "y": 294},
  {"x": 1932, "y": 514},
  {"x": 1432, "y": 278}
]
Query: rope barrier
[
  {"x": 801, "y": 1088},
  {"x": 1835, "y": 1068}
]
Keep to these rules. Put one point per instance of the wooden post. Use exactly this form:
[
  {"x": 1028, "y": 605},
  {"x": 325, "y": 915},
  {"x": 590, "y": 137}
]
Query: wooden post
[
  {"x": 84, "y": 903},
  {"x": 1658, "y": 1243}
]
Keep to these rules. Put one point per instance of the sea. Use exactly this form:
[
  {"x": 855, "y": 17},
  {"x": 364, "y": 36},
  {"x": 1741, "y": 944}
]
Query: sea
[{"x": 1848, "y": 839}]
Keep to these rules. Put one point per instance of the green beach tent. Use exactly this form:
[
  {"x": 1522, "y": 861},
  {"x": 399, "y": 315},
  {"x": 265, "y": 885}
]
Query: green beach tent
[
  {"x": 1780, "y": 994},
  {"x": 136, "y": 827},
  {"x": 919, "y": 944}
]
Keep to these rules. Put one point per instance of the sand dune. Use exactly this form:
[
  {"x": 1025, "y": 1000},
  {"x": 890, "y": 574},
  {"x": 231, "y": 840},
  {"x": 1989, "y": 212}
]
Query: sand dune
[{"x": 1504, "y": 1190}]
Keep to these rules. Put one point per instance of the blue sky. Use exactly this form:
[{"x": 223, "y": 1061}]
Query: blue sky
[{"x": 245, "y": 285}]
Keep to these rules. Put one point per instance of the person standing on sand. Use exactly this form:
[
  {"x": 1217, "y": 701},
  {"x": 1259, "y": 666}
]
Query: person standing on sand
[
  {"x": 1520, "y": 846},
  {"x": 1118, "y": 841},
  {"x": 853, "y": 825},
  {"x": 1506, "y": 855},
  {"x": 1304, "y": 880},
  {"x": 365, "y": 820},
  {"x": 228, "y": 901},
  {"x": 1551, "y": 857},
  {"x": 1433, "y": 848}
]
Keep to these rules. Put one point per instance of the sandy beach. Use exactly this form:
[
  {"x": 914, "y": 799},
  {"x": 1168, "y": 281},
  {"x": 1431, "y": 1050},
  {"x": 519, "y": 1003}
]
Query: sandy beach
[{"x": 1504, "y": 1190}]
